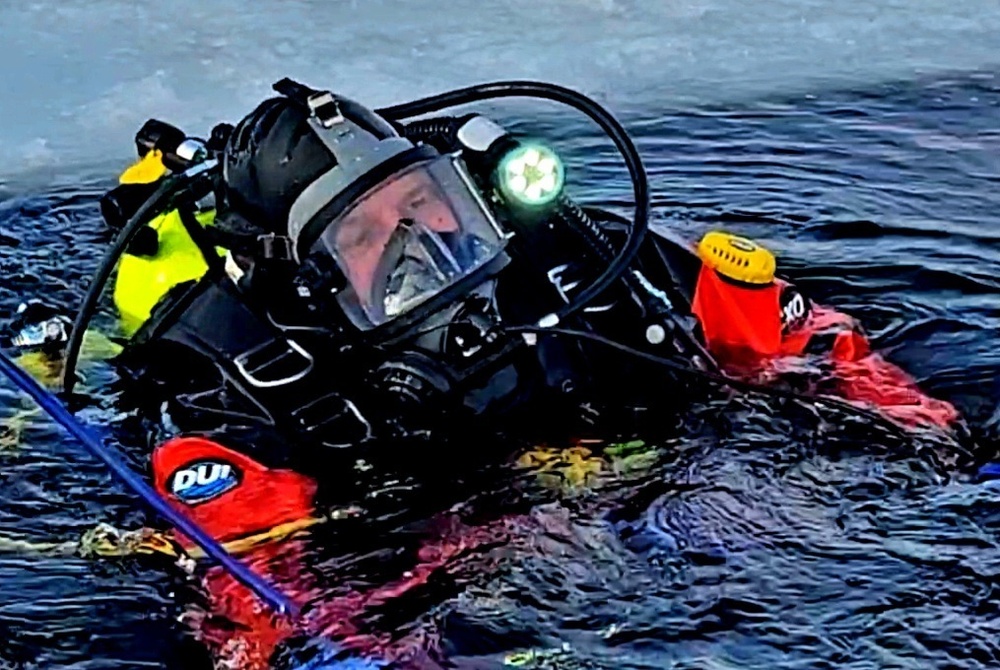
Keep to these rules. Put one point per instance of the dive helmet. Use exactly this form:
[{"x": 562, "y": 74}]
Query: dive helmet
[{"x": 330, "y": 180}]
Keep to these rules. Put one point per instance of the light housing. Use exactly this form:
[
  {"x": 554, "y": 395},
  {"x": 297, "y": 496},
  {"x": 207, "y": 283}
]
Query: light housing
[{"x": 531, "y": 175}]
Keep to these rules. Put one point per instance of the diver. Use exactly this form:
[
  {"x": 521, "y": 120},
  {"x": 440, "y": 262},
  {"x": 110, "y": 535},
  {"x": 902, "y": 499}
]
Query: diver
[
  {"x": 372, "y": 273},
  {"x": 323, "y": 278},
  {"x": 348, "y": 276}
]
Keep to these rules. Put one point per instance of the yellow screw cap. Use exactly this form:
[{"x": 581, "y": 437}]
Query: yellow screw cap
[{"x": 737, "y": 258}]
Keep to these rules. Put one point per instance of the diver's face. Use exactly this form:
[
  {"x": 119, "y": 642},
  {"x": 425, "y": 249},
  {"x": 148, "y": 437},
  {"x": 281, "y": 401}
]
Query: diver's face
[{"x": 365, "y": 231}]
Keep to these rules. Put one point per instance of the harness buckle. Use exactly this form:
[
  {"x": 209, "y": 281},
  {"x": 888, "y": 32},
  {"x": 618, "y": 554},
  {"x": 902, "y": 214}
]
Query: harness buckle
[
  {"x": 275, "y": 363},
  {"x": 275, "y": 246}
]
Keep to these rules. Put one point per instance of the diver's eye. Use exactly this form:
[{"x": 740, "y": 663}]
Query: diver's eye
[
  {"x": 356, "y": 240},
  {"x": 414, "y": 198}
]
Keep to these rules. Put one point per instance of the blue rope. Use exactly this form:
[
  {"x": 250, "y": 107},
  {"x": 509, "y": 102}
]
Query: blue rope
[
  {"x": 267, "y": 592},
  {"x": 326, "y": 659}
]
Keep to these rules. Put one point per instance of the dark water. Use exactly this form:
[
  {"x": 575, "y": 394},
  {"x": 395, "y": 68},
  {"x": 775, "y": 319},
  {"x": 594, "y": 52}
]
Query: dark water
[{"x": 755, "y": 540}]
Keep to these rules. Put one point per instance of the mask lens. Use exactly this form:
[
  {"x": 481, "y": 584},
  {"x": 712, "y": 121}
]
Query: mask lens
[{"x": 408, "y": 239}]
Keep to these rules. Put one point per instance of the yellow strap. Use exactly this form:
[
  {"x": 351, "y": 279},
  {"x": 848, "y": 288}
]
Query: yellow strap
[
  {"x": 107, "y": 541},
  {"x": 249, "y": 542},
  {"x": 20, "y": 546},
  {"x": 147, "y": 170},
  {"x": 576, "y": 466}
]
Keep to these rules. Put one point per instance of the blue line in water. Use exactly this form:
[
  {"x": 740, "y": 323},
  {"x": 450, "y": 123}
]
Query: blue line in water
[{"x": 267, "y": 592}]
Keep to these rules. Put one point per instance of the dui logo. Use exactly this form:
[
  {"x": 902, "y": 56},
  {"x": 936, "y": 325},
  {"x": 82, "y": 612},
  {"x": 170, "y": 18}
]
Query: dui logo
[{"x": 203, "y": 480}]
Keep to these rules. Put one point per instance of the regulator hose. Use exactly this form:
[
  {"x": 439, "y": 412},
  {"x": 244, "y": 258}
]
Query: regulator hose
[{"x": 738, "y": 384}]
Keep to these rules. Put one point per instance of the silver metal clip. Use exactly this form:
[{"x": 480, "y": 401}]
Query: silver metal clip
[
  {"x": 275, "y": 246},
  {"x": 325, "y": 108}
]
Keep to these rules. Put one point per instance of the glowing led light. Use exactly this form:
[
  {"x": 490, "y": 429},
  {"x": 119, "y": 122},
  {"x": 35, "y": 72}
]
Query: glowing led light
[{"x": 531, "y": 175}]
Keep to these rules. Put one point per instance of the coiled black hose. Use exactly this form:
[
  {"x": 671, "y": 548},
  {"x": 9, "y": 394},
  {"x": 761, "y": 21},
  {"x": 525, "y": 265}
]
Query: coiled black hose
[{"x": 426, "y": 129}]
